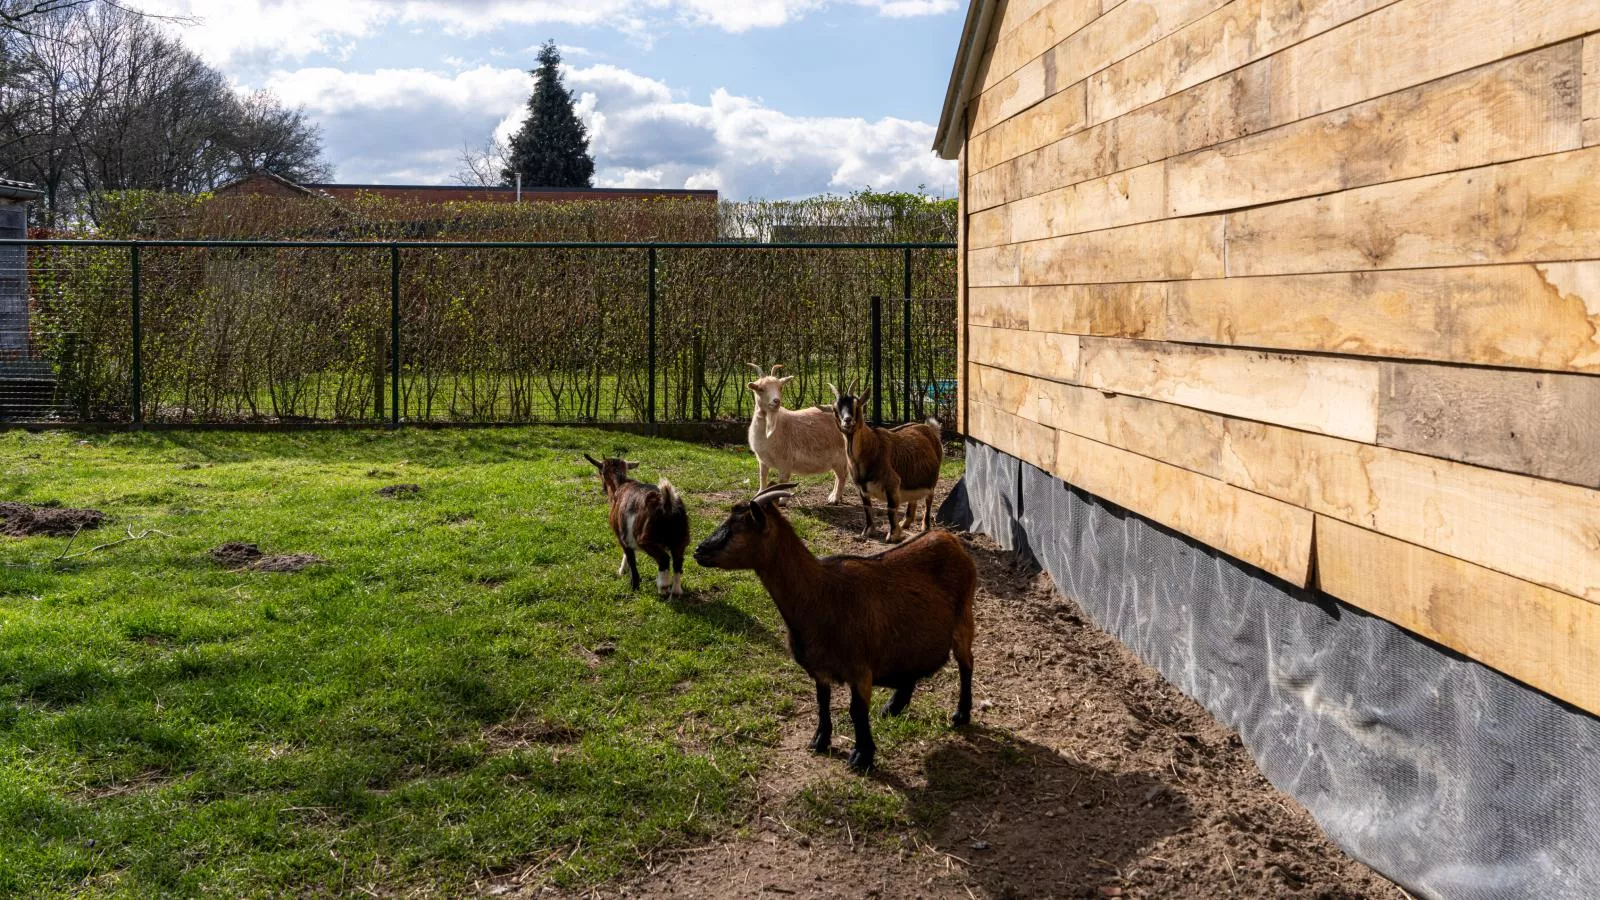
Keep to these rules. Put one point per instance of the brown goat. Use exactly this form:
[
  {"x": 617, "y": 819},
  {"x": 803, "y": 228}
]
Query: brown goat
[
  {"x": 890, "y": 464},
  {"x": 651, "y": 519},
  {"x": 892, "y": 619}
]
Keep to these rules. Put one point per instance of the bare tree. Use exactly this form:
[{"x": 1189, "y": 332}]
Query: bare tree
[
  {"x": 484, "y": 166},
  {"x": 98, "y": 99}
]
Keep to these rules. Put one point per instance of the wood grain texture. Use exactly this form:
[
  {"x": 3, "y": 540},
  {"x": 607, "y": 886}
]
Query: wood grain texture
[
  {"x": 998, "y": 307},
  {"x": 1126, "y": 198},
  {"x": 1521, "y": 107},
  {"x": 1325, "y": 395},
  {"x": 1120, "y": 32},
  {"x": 1413, "y": 42},
  {"x": 1236, "y": 34},
  {"x": 1040, "y": 353},
  {"x": 1154, "y": 251},
  {"x": 1263, "y": 532},
  {"x": 1543, "y": 638},
  {"x": 1527, "y": 316},
  {"x": 1056, "y": 117},
  {"x": 1536, "y": 530},
  {"x": 1029, "y": 28},
  {"x": 1028, "y": 441},
  {"x": 1537, "y": 423},
  {"x": 1123, "y": 30},
  {"x": 1127, "y": 309},
  {"x": 1532, "y": 210},
  {"x": 1591, "y": 90}
]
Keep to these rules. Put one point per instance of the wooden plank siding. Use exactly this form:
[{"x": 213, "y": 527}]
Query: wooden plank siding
[
  {"x": 1529, "y": 528},
  {"x": 1315, "y": 283}
]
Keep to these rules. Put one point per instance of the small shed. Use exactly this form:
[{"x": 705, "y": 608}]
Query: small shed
[
  {"x": 1280, "y": 336},
  {"x": 26, "y": 382}
]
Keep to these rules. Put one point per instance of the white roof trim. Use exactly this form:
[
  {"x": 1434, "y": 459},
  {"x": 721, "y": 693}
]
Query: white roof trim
[{"x": 969, "y": 53}]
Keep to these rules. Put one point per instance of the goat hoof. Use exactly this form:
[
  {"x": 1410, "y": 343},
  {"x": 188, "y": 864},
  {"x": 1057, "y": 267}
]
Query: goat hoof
[
  {"x": 961, "y": 720},
  {"x": 889, "y": 710},
  {"x": 861, "y": 762},
  {"x": 820, "y": 742}
]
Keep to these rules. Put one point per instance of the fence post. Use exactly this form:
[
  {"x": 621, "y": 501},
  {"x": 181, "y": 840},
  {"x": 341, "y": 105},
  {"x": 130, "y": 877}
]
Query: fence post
[
  {"x": 877, "y": 360},
  {"x": 138, "y": 336},
  {"x": 394, "y": 335},
  {"x": 650, "y": 349},
  {"x": 905, "y": 333}
]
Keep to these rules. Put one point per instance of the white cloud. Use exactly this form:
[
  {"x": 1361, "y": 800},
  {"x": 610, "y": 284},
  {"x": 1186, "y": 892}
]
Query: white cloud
[
  {"x": 234, "y": 31},
  {"x": 398, "y": 125}
]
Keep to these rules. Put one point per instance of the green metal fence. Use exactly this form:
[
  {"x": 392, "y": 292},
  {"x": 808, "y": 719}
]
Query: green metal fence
[{"x": 234, "y": 332}]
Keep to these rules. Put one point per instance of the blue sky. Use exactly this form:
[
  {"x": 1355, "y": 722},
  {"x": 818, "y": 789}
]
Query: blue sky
[{"x": 758, "y": 98}]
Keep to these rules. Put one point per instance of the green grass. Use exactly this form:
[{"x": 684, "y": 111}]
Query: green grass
[{"x": 465, "y": 689}]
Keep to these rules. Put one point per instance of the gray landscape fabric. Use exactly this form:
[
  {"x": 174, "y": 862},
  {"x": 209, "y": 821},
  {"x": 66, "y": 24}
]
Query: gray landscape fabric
[{"x": 1444, "y": 775}]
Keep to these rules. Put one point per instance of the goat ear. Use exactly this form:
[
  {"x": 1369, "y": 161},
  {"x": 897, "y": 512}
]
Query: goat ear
[
  {"x": 593, "y": 462},
  {"x": 786, "y": 379},
  {"x": 632, "y": 466},
  {"x": 865, "y": 396},
  {"x": 751, "y": 385},
  {"x": 758, "y": 516}
]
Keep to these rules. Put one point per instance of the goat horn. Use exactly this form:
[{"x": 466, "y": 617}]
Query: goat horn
[
  {"x": 776, "y": 368},
  {"x": 756, "y": 367},
  {"x": 835, "y": 388},
  {"x": 786, "y": 489}
]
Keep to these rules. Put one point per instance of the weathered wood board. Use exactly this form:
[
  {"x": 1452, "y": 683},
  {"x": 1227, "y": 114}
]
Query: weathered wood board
[
  {"x": 1543, "y": 316},
  {"x": 1516, "y": 108},
  {"x": 1537, "y": 423},
  {"x": 1263, "y": 532},
  {"x": 1533, "y": 210},
  {"x": 1321, "y": 394}
]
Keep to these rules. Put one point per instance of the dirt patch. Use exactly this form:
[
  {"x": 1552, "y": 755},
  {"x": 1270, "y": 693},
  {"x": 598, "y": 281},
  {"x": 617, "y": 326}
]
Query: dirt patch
[
  {"x": 400, "y": 490},
  {"x": 25, "y": 520},
  {"x": 520, "y": 735},
  {"x": 1084, "y": 775},
  {"x": 248, "y": 557}
]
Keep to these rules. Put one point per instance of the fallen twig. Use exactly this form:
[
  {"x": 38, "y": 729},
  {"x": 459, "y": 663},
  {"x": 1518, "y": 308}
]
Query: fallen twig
[{"x": 96, "y": 549}]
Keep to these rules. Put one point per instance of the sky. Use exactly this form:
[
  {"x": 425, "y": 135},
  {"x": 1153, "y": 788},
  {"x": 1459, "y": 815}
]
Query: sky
[{"x": 771, "y": 99}]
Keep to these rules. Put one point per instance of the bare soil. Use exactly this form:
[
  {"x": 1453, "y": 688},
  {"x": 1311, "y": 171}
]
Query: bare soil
[
  {"x": 241, "y": 556},
  {"x": 399, "y": 490},
  {"x": 1084, "y": 775},
  {"x": 25, "y": 520}
]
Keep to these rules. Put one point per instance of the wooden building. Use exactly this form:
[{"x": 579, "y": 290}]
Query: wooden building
[{"x": 1313, "y": 283}]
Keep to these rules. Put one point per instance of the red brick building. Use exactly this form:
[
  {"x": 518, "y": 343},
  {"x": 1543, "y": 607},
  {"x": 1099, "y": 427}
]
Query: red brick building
[{"x": 263, "y": 184}]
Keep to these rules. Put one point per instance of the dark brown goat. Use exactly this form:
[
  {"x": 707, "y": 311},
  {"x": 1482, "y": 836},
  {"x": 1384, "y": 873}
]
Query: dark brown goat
[
  {"x": 892, "y": 619},
  {"x": 894, "y": 465},
  {"x": 651, "y": 519}
]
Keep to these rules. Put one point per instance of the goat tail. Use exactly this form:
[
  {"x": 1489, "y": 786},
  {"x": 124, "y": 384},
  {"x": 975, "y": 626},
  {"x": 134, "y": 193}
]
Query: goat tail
[{"x": 670, "y": 501}]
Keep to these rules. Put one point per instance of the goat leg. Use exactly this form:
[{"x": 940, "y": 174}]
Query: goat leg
[
  {"x": 892, "y": 498},
  {"x": 963, "y": 713},
  {"x": 901, "y": 699},
  {"x": 663, "y": 571},
  {"x": 823, "y": 739},
  {"x": 633, "y": 567},
  {"x": 866, "y": 506},
  {"x": 677, "y": 573},
  {"x": 861, "y": 717}
]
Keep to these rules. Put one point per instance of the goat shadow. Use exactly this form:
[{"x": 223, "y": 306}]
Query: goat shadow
[{"x": 1029, "y": 821}]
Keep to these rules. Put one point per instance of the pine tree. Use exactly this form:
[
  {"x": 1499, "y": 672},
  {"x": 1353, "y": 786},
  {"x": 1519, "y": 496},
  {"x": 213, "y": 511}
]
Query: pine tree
[{"x": 552, "y": 147}]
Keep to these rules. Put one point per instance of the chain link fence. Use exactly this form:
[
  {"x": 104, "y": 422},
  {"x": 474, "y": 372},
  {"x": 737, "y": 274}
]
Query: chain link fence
[{"x": 238, "y": 332}]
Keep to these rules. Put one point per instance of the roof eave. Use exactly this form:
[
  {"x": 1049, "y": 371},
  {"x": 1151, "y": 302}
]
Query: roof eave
[{"x": 969, "y": 53}]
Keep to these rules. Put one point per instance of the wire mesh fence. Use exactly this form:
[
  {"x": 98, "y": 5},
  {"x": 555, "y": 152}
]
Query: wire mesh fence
[{"x": 181, "y": 332}]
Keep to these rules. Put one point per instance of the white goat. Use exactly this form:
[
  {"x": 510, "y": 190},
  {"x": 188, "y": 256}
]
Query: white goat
[{"x": 790, "y": 442}]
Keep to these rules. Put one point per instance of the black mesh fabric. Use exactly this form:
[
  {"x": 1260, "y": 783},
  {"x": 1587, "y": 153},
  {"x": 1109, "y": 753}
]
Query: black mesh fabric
[{"x": 1446, "y": 776}]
